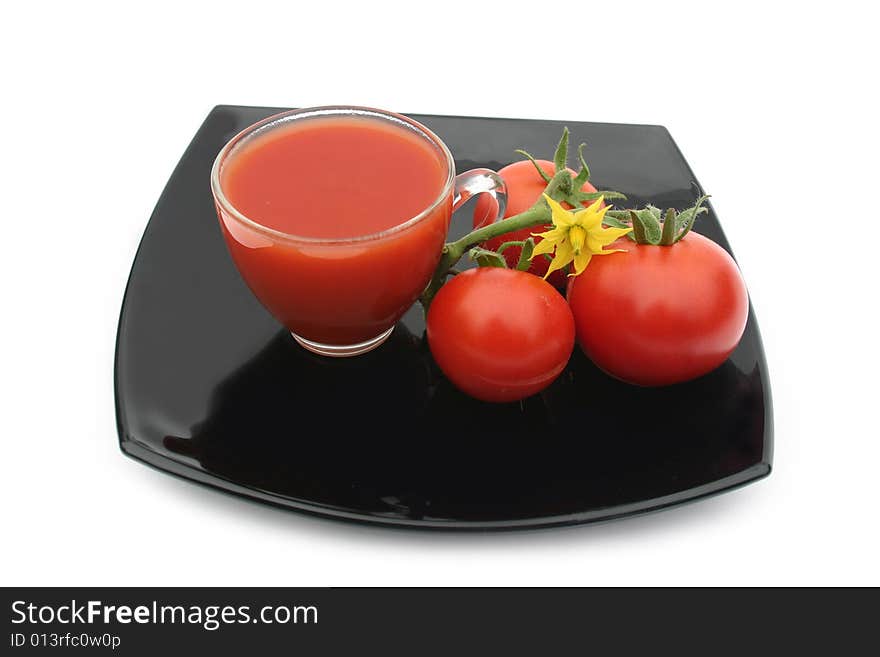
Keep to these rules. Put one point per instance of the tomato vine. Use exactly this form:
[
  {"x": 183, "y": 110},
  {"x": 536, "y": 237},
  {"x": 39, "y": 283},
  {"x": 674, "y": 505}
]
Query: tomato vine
[{"x": 561, "y": 187}]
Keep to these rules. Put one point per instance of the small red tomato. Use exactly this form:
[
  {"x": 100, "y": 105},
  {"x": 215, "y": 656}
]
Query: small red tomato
[
  {"x": 659, "y": 315},
  {"x": 499, "y": 334},
  {"x": 524, "y": 187}
]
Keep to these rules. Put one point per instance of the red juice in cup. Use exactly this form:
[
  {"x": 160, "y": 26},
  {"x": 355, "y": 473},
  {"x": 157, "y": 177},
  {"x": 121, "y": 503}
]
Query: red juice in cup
[{"x": 336, "y": 218}]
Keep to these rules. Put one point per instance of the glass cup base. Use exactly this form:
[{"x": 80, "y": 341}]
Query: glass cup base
[{"x": 343, "y": 351}]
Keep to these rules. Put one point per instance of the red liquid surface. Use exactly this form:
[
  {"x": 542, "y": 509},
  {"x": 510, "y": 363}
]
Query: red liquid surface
[{"x": 336, "y": 178}]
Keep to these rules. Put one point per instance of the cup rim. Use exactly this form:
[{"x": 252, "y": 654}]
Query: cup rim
[{"x": 275, "y": 120}]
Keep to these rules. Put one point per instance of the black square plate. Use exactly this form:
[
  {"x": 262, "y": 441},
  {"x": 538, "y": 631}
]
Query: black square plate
[{"x": 209, "y": 387}]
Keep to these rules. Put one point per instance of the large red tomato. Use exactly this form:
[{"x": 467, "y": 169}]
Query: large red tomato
[
  {"x": 499, "y": 334},
  {"x": 524, "y": 187},
  {"x": 658, "y": 315}
]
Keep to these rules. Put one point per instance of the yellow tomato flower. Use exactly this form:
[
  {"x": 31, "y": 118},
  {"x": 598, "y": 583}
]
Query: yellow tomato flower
[{"x": 576, "y": 236}]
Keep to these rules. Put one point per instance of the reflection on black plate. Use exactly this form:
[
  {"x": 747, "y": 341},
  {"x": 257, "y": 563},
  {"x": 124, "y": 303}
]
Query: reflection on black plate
[{"x": 210, "y": 387}]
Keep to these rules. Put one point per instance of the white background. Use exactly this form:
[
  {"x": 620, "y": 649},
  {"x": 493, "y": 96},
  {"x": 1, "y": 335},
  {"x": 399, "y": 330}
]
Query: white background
[{"x": 770, "y": 105}]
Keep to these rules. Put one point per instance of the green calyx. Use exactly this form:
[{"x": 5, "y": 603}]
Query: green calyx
[
  {"x": 568, "y": 188},
  {"x": 651, "y": 226},
  {"x": 488, "y": 258}
]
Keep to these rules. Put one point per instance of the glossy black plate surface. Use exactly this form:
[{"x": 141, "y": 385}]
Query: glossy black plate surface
[{"x": 211, "y": 388}]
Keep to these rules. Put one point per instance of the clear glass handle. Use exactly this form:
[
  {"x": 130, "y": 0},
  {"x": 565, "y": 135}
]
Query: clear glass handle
[{"x": 481, "y": 181}]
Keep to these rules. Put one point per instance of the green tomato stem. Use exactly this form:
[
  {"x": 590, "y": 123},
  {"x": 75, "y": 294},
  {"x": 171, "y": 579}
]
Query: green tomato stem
[
  {"x": 506, "y": 245},
  {"x": 537, "y": 215}
]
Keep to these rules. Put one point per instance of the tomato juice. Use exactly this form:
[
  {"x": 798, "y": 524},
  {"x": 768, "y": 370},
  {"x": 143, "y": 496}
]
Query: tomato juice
[{"x": 335, "y": 222}]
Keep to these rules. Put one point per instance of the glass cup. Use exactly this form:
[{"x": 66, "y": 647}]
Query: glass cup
[{"x": 343, "y": 296}]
